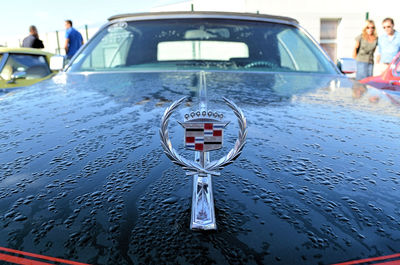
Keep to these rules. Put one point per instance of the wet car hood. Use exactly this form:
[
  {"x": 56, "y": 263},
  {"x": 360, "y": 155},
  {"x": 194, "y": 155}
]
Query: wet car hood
[{"x": 84, "y": 177}]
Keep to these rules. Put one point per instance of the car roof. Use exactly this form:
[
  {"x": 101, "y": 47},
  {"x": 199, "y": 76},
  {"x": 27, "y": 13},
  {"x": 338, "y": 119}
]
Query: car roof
[
  {"x": 24, "y": 51},
  {"x": 202, "y": 14}
]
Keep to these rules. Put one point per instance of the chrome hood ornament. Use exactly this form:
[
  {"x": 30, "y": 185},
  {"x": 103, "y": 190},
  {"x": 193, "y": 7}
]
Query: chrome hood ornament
[{"x": 203, "y": 133}]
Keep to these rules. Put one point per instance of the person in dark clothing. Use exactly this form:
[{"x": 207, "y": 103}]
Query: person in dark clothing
[
  {"x": 73, "y": 39},
  {"x": 33, "y": 41}
]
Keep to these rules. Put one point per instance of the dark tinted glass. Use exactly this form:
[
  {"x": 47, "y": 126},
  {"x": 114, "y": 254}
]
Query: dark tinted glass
[{"x": 212, "y": 44}]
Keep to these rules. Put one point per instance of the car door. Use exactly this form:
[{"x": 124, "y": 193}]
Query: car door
[{"x": 19, "y": 70}]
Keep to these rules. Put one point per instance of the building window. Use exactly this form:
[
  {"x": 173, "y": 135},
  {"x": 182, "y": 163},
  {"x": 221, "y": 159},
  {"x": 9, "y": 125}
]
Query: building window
[{"x": 328, "y": 36}]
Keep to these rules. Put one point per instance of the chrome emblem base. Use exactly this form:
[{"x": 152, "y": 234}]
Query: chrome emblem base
[
  {"x": 204, "y": 135},
  {"x": 203, "y": 214}
]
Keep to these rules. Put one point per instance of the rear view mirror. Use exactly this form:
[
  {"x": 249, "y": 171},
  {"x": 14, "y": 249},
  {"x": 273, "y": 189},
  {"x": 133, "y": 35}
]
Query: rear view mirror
[
  {"x": 16, "y": 76},
  {"x": 57, "y": 62},
  {"x": 347, "y": 65}
]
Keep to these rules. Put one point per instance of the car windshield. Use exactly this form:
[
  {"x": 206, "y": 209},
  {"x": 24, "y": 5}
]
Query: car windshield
[{"x": 212, "y": 44}]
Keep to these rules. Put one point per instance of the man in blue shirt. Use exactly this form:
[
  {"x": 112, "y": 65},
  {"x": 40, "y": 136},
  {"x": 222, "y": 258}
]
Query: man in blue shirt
[
  {"x": 388, "y": 43},
  {"x": 73, "y": 39}
]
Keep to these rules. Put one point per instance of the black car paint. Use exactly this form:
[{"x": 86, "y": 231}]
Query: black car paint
[{"x": 83, "y": 175}]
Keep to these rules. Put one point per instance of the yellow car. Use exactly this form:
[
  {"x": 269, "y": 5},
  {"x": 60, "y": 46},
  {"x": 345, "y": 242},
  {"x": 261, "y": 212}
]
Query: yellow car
[{"x": 21, "y": 67}]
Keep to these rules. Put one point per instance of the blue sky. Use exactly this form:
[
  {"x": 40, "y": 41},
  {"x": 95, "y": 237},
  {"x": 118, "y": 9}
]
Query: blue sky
[{"x": 49, "y": 15}]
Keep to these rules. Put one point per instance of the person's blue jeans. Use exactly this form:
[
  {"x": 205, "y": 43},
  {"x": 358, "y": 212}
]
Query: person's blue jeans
[{"x": 364, "y": 70}]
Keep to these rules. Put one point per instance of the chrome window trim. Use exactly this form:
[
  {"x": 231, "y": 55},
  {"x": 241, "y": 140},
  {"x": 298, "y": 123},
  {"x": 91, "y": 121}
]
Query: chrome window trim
[{"x": 89, "y": 73}]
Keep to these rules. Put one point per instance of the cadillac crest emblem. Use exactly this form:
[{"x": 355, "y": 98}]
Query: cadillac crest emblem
[{"x": 203, "y": 133}]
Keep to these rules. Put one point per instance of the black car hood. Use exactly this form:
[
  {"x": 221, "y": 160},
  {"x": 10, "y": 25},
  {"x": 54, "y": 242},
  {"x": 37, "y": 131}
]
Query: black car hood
[{"x": 84, "y": 177}]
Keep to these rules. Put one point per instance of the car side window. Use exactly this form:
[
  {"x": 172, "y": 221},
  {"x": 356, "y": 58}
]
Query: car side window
[{"x": 34, "y": 66}]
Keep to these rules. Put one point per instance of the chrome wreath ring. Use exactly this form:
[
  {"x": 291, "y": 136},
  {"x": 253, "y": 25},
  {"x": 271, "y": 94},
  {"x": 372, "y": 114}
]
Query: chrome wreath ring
[{"x": 212, "y": 167}]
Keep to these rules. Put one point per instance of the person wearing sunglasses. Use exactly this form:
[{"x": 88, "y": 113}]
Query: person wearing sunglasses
[
  {"x": 364, "y": 50},
  {"x": 388, "y": 43}
]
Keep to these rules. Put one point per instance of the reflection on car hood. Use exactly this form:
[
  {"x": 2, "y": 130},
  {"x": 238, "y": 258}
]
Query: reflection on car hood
[{"x": 83, "y": 175}]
